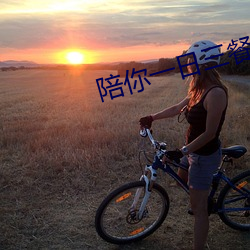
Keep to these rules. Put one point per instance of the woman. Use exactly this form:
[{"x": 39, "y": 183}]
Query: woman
[{"x": 206, "y": 105}]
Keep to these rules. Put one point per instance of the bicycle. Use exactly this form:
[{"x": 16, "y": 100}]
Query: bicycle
[{"x": 137, "y": 209}]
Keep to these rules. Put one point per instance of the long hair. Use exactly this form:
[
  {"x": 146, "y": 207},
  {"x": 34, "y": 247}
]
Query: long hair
[{"x": 196, "y": 86}]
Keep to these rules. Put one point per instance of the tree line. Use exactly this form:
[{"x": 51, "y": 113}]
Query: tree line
[{"x": 236, "y": 65}]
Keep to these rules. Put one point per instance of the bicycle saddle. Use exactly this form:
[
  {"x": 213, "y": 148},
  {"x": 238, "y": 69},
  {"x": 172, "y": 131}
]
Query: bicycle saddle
[{"x": 234, "y": 151}]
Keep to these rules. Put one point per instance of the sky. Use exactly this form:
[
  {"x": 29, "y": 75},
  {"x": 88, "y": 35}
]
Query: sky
[{"x": 116, "y": 30}]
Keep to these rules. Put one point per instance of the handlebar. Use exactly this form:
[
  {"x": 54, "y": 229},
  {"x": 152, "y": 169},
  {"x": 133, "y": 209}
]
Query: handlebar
[
  {"x": 146, "y": 132},
  {"x": 157, "y": 145}
]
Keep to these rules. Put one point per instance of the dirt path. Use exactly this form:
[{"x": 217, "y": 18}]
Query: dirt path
[{"x": 237, "y": 79}]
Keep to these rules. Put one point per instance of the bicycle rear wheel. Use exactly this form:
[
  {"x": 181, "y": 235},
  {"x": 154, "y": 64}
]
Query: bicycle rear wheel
[
  {"x": 234, "y": 206},
  {"x": 116, "y": 223}
]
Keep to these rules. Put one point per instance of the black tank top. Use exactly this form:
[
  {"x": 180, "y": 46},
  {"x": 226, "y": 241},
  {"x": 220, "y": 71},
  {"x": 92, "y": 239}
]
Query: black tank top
[{"x": 196, "y": 117}]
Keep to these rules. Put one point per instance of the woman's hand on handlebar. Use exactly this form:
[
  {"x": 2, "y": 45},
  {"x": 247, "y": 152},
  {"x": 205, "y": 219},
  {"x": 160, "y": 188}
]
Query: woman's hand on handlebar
[
  {"x": 175, "y": 155},
  {"x": 146, "y": 122}
]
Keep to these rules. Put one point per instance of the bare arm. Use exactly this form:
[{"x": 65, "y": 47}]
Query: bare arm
[
  {"x": 215, "y": 103},
  {"x": 171, "y": 111}
]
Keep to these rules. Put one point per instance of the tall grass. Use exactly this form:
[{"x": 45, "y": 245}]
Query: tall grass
[{"x": 60, "y": 146}]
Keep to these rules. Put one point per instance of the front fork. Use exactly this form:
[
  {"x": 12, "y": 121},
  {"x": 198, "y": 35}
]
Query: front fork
[{"x": 149, "y": 177}]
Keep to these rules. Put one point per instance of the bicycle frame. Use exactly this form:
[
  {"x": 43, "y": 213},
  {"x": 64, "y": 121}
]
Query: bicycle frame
[
  {"x": 150, "y": 176},
  {"x": 136, "y": 209},
  {"x": 163, "y": 166},
  {"x": 167, "y": 169}
]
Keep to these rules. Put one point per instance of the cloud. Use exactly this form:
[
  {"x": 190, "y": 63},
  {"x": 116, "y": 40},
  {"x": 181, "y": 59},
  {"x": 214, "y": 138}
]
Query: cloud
[
  {"x": 224, "y": 37},
  {"x": 26, "y": 32},
  {"x": 211, "y": 8},
  {"x": 8, "y": 3},
  {"x": 123, "y": 24}
]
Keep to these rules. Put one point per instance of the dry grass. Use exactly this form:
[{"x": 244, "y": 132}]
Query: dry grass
[{"x": 62, "y": 150}]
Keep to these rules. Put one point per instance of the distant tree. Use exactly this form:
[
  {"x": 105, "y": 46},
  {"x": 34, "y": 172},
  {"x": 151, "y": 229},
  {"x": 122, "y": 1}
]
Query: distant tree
[
  {"x": 166, "y": 63},
  {"x": 233, "y": 67},
  {"x": 184, "y": 52},
  {"x": 123, "y": 67}
]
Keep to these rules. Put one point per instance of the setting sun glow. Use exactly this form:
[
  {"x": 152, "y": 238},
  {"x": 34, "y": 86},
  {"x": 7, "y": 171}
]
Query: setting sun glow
[{"x": 75, "y": 57}]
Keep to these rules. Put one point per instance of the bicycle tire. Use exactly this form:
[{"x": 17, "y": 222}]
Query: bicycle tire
[
  {"x": 232, "y": 199},
  {"x": 111, "y": 220}
]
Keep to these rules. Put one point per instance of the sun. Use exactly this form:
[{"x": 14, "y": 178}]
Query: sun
[{"x": 75, "y": 57}]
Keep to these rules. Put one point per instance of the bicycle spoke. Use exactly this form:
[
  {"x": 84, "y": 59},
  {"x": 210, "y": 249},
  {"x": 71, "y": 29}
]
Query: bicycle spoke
[
  {"x": 235, "y": 209},
  {"x": 233, "y": 199}
]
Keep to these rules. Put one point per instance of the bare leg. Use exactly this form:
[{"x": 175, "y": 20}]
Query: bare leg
[{"x": 198, "y": 199}]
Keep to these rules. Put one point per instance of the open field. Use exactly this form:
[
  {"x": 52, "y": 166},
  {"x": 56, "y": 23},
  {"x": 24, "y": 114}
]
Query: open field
[{"x": 62, "y": 151}]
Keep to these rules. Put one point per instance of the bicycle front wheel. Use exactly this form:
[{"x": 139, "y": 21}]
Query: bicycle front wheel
[
  {"x": 116, "y": 223},
  {"x": 234, "y": 205}
]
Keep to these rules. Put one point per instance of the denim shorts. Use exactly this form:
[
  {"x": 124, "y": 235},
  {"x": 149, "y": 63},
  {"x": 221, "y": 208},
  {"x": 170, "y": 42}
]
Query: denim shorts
[{"x": 201, "y": 169}]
